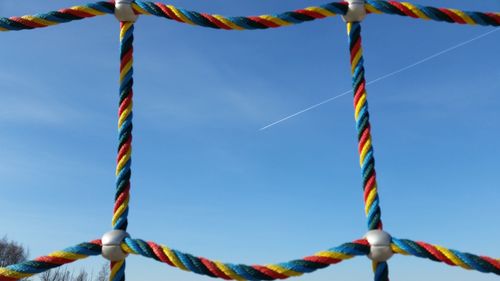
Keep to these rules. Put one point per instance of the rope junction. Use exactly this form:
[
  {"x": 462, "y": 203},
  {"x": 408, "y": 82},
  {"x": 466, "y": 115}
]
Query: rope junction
[{"x": 230, "y": 271}]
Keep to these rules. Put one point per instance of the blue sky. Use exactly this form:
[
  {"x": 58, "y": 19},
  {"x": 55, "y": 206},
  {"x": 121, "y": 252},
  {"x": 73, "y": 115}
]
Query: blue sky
[{"x": 207, "y": 181}]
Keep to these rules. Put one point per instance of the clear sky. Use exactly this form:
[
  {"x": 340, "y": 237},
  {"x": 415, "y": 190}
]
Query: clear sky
[{"x": 207, "y": 181}]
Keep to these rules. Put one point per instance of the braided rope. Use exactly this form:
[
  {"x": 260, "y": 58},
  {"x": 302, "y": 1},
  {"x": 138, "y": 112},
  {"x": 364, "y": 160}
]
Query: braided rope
[
  {"x": 240, "y": 23},
  {"x": 229, "y": 271},
  {"x": 448, "y": 256},
  {"x": 124, "y": 161},
  {"x": 251, "y": 22},
  {"x": 312, "y": 13},
  {"x": 432, "y": 13},
  {"x": 362, "y": 116},
  {"x": 53, "y": 260},
  {"x": 365, "y": 148},
  {"x": 237, "y": 271},
  {"x": 56, "y": 17}
]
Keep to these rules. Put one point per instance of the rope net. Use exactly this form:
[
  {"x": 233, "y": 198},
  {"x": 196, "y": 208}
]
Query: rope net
[{"x": 229, "y": 271}]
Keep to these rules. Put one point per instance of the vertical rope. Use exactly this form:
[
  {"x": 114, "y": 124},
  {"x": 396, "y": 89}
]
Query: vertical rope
[
  {"x": 123, "y": 161},
  {"x": 365, "y": 148}
]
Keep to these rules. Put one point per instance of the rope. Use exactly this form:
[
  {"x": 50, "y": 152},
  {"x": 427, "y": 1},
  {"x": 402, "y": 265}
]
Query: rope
[
  {"x": 229, "y": 271},
  {"x": 362, "y": 116},
  {"x": 312, "y": 13},
  {"x": 365, "y": 148},
  {"x": 432, "y": 13},
  {"x": 240, "y": 23},
  {"x": 53, "y": 260},
  {"x": 124, "y": 161},
  {"x": 56, "y": 17},
  {"x": 255, "y": 272},
  {"x": 251, "y": 22},
  {"x": 448, "y": 256}
]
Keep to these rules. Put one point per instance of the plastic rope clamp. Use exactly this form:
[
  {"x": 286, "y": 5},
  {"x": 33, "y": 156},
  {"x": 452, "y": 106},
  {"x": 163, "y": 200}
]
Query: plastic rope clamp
[
  {"x": 380, "y": 245},
  {"x": 356, "y": 11},
  {"x": 124, "y": 11},
  {"x": 111, "y": 245}
]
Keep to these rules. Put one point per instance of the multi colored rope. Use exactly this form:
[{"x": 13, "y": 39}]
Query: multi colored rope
[
  {"x": 365, "y": 147},
  {"x": 123, "y": 161},
  {"x": 55, "y": 259},
  {"x": 312, "y": 13},
  {"x": 251, "y": 22},
  {"x": 362, "y": 117},
  {"x": 238, "y": 271},
  {"x": 432, "y": 13},
  {"x": 245, "y": 272},
  {"x": 57, "y": 17},
  {"x": 240, "y": 23},
  {"x": 450, "y": 257}
]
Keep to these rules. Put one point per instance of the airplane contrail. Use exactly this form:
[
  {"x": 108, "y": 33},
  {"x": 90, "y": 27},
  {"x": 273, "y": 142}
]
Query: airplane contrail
[{"x": 385, "y": 76}]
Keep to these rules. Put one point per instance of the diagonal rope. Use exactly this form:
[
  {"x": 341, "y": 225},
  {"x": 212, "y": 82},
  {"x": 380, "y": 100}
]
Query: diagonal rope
[
  {"x": 365, "y": 147},
  {"x": 56, "y": 17},
  {"x": 432, "y": 13},
  {"x": 450, "y": 257},
  {"x": 41, "y": 264}
]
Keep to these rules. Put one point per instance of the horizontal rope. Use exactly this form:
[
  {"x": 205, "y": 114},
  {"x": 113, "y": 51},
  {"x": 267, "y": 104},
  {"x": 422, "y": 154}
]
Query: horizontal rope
[
  {"x": 448, "y": 256},
  {"x": 250, "y": 22},
  {"x": 240, "y": 23},
  {"x": 173, "y": 13},
  {"x": 312, "y": 13},
  {"x": 245, "y": 272},
  {"x": 53, "y": 260},
  {"x": 57, "y": 17},
  {"x": 432, "y": 13}
]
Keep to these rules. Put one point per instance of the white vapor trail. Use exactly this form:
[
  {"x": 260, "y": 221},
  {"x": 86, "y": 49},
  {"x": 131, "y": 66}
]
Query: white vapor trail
[{"x": 385, "y": 76}]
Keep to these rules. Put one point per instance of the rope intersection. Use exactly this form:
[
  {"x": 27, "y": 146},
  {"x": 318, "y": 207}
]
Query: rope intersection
[{"x": 229, "y": 271}]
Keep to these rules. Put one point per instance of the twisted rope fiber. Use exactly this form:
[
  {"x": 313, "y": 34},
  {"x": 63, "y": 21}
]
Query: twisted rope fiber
[
  {"x": 312, "y": 13},
  {"x": 365, "y": 148},
  {"x": 451, "y": 257},
  {"x": 56, "y": 17},
  {"x": 245, "y": 272},
  {"x": 251, "y": 22},
  {"x": 124, "y": 160},
  {"x": 229, "y": 271},
  {"x": 240, "y": 23},
  {"x": 432, "y": 13},
  {"x": 55, "y": 259},
  {"x": 178, "y": 14}
]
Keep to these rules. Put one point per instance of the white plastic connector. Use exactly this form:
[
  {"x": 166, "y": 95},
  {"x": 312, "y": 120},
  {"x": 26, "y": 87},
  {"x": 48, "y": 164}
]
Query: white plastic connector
[
  {"x": 111, "y": 245},
  {"x": 124, "y": 11},
  {"x": 380, "y": 245},
  {"x": 356, "y": 11}
]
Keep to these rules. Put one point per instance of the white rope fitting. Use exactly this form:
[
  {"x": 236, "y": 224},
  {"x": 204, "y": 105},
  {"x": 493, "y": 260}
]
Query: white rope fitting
[
  {"x": 111, "y": 245},
  {"x": 124, "y": 11},
  {"x": 356, "y": 11},
  {"x": 380, "y": 245}
]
